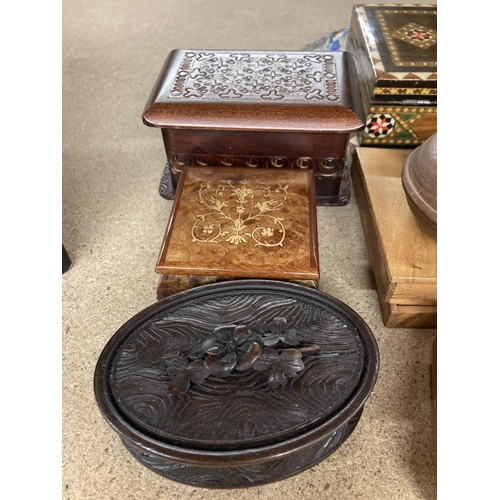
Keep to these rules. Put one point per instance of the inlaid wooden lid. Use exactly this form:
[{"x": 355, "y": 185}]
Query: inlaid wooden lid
[
  {"x": 243, "y": 222},
  {"x": 256, "y": 90},
  {"x": 395, "y": 48}
]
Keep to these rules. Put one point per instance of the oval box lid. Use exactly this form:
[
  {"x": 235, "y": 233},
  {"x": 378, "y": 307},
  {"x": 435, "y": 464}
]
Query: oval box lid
[
  {"x": 238, "y": 372},
  {"x": 256, "y": 90}
]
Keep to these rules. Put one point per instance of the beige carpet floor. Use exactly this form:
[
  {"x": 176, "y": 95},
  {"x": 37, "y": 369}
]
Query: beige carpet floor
[{"x": 113, "y": 225}]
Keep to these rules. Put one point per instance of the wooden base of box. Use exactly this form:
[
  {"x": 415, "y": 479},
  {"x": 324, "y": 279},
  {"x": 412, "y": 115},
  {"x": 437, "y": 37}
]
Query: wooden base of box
[
  {"x": 171, "y": 284},
  {"x": 407, "y": 316},
  {"x": 166, "y": 188},
  {"x": 402, "y": 254},
  {"x": 333, "y": 188}
]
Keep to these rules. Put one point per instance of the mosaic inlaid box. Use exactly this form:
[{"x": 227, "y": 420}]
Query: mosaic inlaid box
[
  {"x": 395, "y": 52},
  {"x": 258, "y": 109},
  {"x": 241, "y": 223}
]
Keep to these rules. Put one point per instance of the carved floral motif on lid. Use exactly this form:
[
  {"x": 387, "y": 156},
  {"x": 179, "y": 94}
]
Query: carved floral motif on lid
[
  {"x": 281, "y": 360},
  {"x": 277, "y": 353},
  {"x": 248, "y": 76}
]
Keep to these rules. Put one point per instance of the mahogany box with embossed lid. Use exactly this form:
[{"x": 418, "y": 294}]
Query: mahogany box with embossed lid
[
  {"x": 237, "y": 384},
  {"x": 395, "y": 51},
  {"x": 258, "y": 109}
]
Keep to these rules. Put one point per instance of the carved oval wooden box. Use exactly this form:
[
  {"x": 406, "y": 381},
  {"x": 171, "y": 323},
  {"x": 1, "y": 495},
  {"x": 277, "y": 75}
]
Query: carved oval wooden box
[
  {"x": 258, "y": 109},
  {"x": 237, "y": 384}
]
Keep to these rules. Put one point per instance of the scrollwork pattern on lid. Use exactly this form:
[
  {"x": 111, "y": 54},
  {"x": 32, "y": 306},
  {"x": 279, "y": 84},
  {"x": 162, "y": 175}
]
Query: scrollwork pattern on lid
[{"x": 256, "y": 76}]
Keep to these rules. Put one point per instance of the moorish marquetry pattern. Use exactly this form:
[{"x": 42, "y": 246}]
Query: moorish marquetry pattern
[
  {"x": 256, "y": 76},
  {"x": 384, "y": 25},
  {"x": 399, "y": 125},
  {"x": 416, "y": 34},
  {"x": 412, "y": 33},
  {"x": 398, "y": 91}
]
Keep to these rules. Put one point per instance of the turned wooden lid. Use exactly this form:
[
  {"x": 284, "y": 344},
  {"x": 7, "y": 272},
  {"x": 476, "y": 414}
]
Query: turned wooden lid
[
  {"x": 236, "y": 373},
  {"x": 419, "y": 178},
  {"x": 242, "y": 222},
  {"x": 256, "y": 90}
]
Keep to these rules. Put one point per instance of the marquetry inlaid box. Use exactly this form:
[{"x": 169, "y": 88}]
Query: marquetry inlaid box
[
  {"x": 237, "y": 384},
  {"x": 240, "y": 223},
  {"x": 395, "y": 52},
  {"x": 256, "y": 109}
]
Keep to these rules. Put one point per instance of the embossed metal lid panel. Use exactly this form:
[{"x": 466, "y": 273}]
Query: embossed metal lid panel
[
  {"x": 242, "y": 371},
  {"x": 242, "y": 223},
  {"x": 256, "y": 90}
]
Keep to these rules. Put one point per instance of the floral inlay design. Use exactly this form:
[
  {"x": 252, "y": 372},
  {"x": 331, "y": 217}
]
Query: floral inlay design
[
  {"x": 240, "y": 213},
  {"x": 277, "y": 353}
]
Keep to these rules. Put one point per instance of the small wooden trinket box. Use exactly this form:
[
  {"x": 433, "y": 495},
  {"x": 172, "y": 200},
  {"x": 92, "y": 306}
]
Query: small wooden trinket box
[
  {"x": 237, "y": 384},
  {"x": 395, "y": 51},
  {"x": 240, "y": 223},
  {"x": 258, "y": 109}
]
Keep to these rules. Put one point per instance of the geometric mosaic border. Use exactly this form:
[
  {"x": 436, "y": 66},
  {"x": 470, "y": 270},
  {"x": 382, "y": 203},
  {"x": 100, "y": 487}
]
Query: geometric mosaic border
[
  {"x": 403, "y": 91},
  {"x": 394, "y": 125}
]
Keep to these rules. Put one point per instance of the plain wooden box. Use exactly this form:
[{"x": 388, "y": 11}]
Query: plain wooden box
[{"x": 402, "y": 255}]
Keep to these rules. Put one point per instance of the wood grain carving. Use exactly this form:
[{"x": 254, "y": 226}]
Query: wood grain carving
[
  {"x": 143, "y": 361},
  {"x": 259, "y": 414},
  {"x": 246, "y": 475}
]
